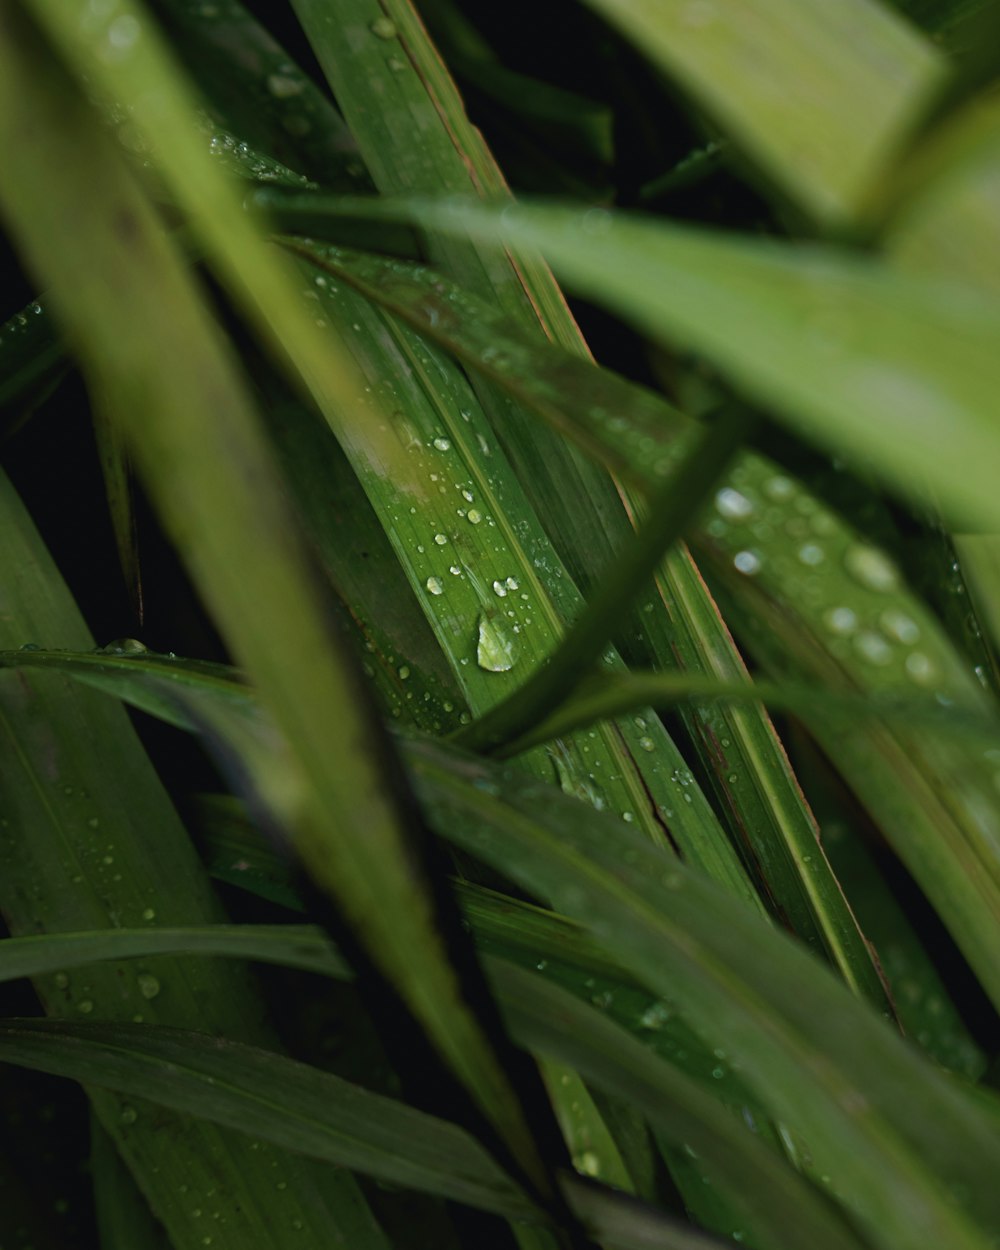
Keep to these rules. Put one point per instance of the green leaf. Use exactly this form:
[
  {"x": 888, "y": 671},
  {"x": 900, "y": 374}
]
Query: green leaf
[
  {"x": 133, "y": 313},
  {"x": 312, "y": 1112},
  {"x": 871, "y": 363},
  {"x": 80, "y": 851},
  {"x": 671, "y": 512},
  {"x": 489, "y": 582},
  {"x": 124, "y": 1219},
  {"x": 546, "y": 1019},
  {"x": 295, "y": 946},
  {"x": 824, "y": 1063},
  {"x": 254, "y": 89},
  {"x": 853, "y": 624},
  {"x": 819, "y": 96},
  {"x": 265, "y": 1095},
  {"x": 787, "y": 1209}
]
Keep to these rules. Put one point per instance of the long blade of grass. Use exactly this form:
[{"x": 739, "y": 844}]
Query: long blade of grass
[
  {"x": 493, "y": 589},
  {"x": 765, "y": 1186},
  {"x": 77, "y": 853},
  {"x": 546, "y": 1019},
  {"x": 312, "y": 1112},
  {"x": 854, "y": 624},
  {"x": 634, "y": 434},
  {"x": 124, "y": 1219},
  {"x": 582, "y": 510},
  {"x": 121, "y": 54},
  {"x": 260, "y": 1093},
  {"x": 945, "y": 226},
  {"x": 871, "y": 363},
  {"x": 815, "y": 1019},
  {"x": 819, "y": 97},
  {"x": 255, "y": 89},
  {"x": 823, "y": 1061},
  {"x": 670, "y": 513},
  {"x": 234, "y": 531}
]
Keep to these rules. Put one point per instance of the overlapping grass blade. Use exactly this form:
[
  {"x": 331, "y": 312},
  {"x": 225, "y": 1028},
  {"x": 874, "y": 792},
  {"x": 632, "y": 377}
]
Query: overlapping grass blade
[
  {"x": 380, "y": 606},
  {"x": 77, "y": 853},
  {"x": 671, "y": 512},
  {"x": 639, "y": 436},
  {"x": 30, "y": 354},
  {"x": 788, "y": 83},
  {"x": 853, "y": 623},
  {"x": 255, "y": 89},
  {"x": 583, "y": 512},
  {"x": 496, "y": 594},
  {"x": 945, "y": 226},
  {"x": 124, "y": 58},
  {"x": 134, "y": 319},
  {"x": 263, "y": 1094},
  {"x": 763, "y": 1183},
  {"x": 123, "y": 1217},
  {"x": 542, "y": 1017},
  {"x": 849, "y": 352},
  {"x": 822, "y": 1061},
  {"x": 876, "y": 1068},
  {"x": 312, "y": 1112}
]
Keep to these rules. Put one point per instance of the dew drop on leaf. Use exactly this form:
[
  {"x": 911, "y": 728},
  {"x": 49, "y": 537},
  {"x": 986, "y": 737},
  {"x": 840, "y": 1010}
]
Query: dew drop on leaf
[
  {"x": 495, "y": 650},
  {"x": 871, "y": 568}
]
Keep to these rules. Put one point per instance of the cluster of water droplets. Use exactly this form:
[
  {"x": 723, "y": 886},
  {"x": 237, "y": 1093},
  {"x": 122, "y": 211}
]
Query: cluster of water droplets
[{"x": 773, "y": 530}]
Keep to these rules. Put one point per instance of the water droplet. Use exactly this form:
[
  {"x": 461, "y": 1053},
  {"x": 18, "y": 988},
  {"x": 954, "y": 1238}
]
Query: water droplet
[
  {"x": 811, "y": 554},
  {"x": 474, "y": 516},
  {"x": 779, "y": 488},
  {"x": 30, "y": 646},
  {"x": 588, "y": 1163},
  {"x": 872, "y": 568},
  {"x": 442, "y": 444},
  {"x": 61, "y": 980},
  {"x": 125, "y": 646},
  {"x": 283, "y": 86},
  {"x": 129, "y": 1115},
  {"x": 149, "y": 913},
  {"x": 747, "y": 562},
  {"x": 86, "y": 1007},
  {"x": 500, "y": 589},
  {"x": 434, "y": 586},
  {"x": 840, "y": 620},
  {"x": 596, "y": 221},
  {"x": 149, "y": 986},
  {"x": 495, "y": 650},
  {"x": 921, "y": 668},
  {"x": 440, "y": 539},
  {"x": 900, "y": 626},
  {"x": 873, "y": 648},
  {"x": 655, "y": 1016},
  {"x": 455, "y": 571},
  {"x": 122, "y": 34},
  {"x": 647, "y": 744},
  {"x": 733, "y": 505},
  {"x": 384, "y": 28}
]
